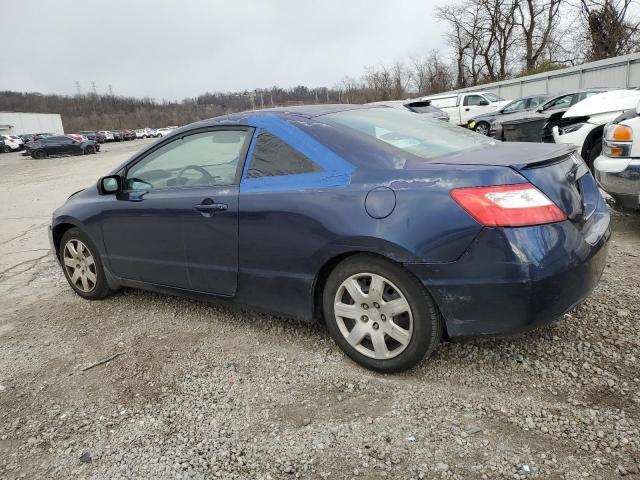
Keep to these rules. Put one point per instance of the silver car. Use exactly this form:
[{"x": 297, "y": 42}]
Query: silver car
[{"x": 416, "y": 106}]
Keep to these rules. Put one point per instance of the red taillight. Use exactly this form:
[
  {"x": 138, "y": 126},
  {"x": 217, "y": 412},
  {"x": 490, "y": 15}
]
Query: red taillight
[{"x": 508, "y": 205}]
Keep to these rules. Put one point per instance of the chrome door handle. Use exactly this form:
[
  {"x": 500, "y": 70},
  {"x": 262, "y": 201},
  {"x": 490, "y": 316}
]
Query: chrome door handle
[{"x": 211, "y": 207}]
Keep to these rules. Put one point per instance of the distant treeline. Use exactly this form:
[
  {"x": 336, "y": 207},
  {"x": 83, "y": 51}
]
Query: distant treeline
[
  {"x": 92, "y": 111},
  {"x": 106, "y": 112},
  {"x": 97, "y": 112}
]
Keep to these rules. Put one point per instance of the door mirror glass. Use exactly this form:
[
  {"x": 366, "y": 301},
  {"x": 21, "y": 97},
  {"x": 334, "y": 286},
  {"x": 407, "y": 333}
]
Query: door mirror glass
[
  {"x": 484, "y": 102},
  {"x": 110, "y": 184}
]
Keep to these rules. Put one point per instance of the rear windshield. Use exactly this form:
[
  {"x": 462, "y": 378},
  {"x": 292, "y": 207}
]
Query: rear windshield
[
  {"x": 422, "y": 107},
  {"x": 420, "y": 135}
]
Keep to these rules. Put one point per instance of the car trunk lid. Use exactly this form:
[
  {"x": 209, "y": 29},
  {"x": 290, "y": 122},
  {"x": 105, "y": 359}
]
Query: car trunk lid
[{"x": 555, "y": 170}]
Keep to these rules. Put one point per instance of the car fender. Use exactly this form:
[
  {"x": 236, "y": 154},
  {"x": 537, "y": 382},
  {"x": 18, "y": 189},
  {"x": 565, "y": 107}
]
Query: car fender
[
  {"x": 59, "y": 226},
  {"x": 364, "y": 244}
]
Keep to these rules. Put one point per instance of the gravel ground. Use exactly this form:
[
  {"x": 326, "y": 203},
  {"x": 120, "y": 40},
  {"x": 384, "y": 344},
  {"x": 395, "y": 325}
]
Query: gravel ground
[{"x": 203, "y": 391}]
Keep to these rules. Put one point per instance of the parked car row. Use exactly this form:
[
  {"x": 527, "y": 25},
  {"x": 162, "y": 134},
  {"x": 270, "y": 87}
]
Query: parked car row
[
  {"x": 71, "y": 144},
  {"x": 86, "y": 141}
]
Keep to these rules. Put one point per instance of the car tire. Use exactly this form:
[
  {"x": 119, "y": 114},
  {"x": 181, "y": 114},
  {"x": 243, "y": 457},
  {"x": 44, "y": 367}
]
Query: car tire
[
  {"x": 39, "y": 154},
  {"x": 374, "y": 332},
  {"x": 89, "y": 150},
  {"x": 82, "y": 266},
  {"x": 6, "y": 149},
  {"x": 482, "y": 128}
]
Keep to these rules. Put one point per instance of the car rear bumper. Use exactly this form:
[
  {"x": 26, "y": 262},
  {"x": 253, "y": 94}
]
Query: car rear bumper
[
  {"x": 513, "y": 279},
  {"x": 620, "y": 178}
]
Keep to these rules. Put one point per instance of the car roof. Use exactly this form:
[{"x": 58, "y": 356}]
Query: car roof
[{"x": 306, "y": 111}]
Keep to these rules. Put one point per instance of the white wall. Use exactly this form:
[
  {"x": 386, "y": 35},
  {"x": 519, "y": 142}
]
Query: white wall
[
  {"x": 617, "y": 72},
  {"x": 18, "y": 123}
]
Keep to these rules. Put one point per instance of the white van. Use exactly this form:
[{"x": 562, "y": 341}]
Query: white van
[{"x": 461, "y": 107}]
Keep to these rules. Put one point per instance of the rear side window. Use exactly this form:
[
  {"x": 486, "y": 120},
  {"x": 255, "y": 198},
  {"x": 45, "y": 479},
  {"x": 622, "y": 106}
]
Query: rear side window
[{"x": 272, "y": 157}]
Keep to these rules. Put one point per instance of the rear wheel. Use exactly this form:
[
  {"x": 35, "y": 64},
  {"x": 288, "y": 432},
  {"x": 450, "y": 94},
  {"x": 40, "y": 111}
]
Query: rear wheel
[
  {"x": 82, "y": 265},
  {"x": 482, "y": 128},
  {"x": 379, "y": 314}
]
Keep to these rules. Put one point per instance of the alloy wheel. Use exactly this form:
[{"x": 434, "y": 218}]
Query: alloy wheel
[
  {"x": 373, "y": 315},
  {"x": 80, "y": 265},
  {"x": 482, "y": 129}
]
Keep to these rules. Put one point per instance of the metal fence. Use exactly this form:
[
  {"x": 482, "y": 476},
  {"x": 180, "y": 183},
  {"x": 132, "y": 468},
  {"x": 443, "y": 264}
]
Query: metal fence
[{"x": 616, "y": 72}]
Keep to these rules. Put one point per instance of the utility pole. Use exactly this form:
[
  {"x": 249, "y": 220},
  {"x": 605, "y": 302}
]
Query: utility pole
[
  {"x": 78, "y": 92},
  {"x": 93, "y": 87},
  {"x": 110, "y": 90}
]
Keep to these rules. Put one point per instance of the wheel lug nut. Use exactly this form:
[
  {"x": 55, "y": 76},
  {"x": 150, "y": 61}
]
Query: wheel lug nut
[
  {"x": 376, "y": 326},
  {"x": 365, "y": 306},
  {"x": 383, "y": 318},
  {"x": 364, "y": 318},
  {"x": 376, "y": 305}
]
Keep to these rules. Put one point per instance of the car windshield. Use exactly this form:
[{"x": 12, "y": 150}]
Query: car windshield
[
  {"x": 492, "y": 97},
  {"x": 420, "y": 135}
]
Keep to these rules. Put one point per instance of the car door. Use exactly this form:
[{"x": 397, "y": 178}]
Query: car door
[
  {"x": 473, "y": 105},
  {"x": 176, "y": 221},
  {"x": 65, "y": 146},
  {"x": 52, "y": 145}
]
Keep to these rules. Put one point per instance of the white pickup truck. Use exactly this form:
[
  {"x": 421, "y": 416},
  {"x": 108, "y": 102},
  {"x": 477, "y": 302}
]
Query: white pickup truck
[
  {"x": 617, "y": 168},
  {"x": 463, "y": 106},
  {"x": 581, "y": 127}
]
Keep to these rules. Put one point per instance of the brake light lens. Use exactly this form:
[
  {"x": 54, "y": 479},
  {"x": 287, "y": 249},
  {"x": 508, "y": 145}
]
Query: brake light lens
[{"x": 508, "y": 205}]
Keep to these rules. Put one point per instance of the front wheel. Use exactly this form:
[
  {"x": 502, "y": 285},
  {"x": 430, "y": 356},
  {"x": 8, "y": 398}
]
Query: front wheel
[
  {"x": 482, "y": 128},
  {"x": 82, "y": 265},
  {"x": 89, "y": 150},
  {"x": 379, "y": 314},
  {"x": 6, "y": 149},
  {"x": 39, "y": 154}
]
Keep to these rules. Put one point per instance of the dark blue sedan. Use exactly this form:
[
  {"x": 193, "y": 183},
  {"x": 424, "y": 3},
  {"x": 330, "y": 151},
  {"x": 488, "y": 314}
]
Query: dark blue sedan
[{"x": 393, "y": 228}]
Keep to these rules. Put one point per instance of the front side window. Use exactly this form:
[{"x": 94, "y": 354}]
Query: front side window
[
  {"x": 272, "y": 157},
  {"x": 473, "y": 100},
  {"x": 562, "y": 102},
  {"x": 420, "y": 135},
  {"x": 201, "y": 159},
  {"x": 516, "y": 105},
  {"x": 535, "y": 101}
]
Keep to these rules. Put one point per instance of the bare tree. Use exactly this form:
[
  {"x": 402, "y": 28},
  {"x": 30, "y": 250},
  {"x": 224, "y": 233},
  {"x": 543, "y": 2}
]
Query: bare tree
[
  {"x": 611, "y": 29},
  {"x": 537, "y": 21},
  {"x": 460, "y": 39}
]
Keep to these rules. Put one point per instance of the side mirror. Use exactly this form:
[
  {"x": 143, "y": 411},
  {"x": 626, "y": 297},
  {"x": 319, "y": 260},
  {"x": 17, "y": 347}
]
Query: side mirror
[
  {"x": 110, "y": 184},
  {"x": 638, "y": 108},
  {"x": 484, "y": 103}
]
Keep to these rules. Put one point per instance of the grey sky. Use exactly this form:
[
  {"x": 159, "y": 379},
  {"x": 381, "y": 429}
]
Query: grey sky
[{"x": 179, "y": 48}]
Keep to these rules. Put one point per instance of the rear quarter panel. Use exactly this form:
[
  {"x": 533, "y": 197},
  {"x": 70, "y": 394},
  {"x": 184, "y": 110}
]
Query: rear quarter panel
[{"x": 286, "y": 237}]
